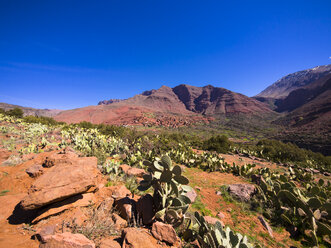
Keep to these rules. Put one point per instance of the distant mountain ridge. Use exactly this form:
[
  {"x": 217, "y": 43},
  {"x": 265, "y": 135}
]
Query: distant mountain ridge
[
  {"x": 31, "y": 111},
  {"x": 284, "y": 86},
  {"x": 110, "y": 101},
  {"x": 182, "y": 100}
]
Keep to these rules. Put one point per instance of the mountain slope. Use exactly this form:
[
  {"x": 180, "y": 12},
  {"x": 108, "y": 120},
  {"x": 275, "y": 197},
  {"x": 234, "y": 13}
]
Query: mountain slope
[
  {"x": 284, "y": 86},
  {"x": 183, "y": 100},
  {"x": 31, "y": 111}
]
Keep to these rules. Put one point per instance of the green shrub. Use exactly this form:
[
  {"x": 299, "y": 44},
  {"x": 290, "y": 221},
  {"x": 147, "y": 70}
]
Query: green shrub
[
  {"x": 217, "y": 143},
  {"x": 16, "y": 112}
]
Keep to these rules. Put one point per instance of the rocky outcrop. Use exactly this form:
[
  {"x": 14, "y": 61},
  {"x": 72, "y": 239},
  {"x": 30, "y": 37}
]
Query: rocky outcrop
[
  {"x": 68, "y": 178},
  {"x": 242, "y": 192},
  {"x": 284, "y": 86},
  {"x": 110, "y": 101}
]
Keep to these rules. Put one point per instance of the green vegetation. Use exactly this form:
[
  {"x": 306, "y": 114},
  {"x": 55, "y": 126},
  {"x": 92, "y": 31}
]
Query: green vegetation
[
  {"x": 280, "y": 152},
  {"x": 217, "y": 143},
  {"x": 15, "y": 112},
  {"x": 3, "y": 192}
]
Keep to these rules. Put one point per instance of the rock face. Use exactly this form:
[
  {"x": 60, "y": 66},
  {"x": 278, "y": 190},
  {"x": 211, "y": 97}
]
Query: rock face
[
  {"x": 242, "y": 192},
  {"x": 66, "y": 240},
  {"x": 62, "y": 181},
  {"x": 164, "y": 232},
  {"x": 138, "y": 238},
  {"x": 110, "y": 101},
  {"x": 188, "y": 101}
]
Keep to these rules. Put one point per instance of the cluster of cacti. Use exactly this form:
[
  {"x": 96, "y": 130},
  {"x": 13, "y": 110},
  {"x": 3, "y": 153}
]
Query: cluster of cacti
[
  {"x": 170, "y": 187},
  {"x": 244, "y": 170},
  {"x": 213, "y": 236},
  {"x": 90, "y": 142},
  {"x": 305, "y": 209}
]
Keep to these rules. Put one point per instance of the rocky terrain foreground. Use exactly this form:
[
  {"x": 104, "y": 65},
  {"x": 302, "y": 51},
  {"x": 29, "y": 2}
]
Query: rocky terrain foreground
[{"x": 55, "y": 194}]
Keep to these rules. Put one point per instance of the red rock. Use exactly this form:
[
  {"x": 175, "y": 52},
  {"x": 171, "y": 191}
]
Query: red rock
[
  {"x": 132, "y": 171},
  {"x": 242, "y": 192},
  {"x": 164, "y": 232},
  {"x": 35, "y": 170},
  {"x": 138, "y": 238},
  {"x": 44, "y": 231},
  {"x": 125, "y": 207},
  {"x": 212, "y": 221},
  {"x": 119, "y": 222},
  {"x": 78, "y": 217},
  {"x": 61, "y": 182},
  {"x": 109, "y": 243},
  {"x": 60, "y": 158},
  {"x": 66, "y": 240},
  {"x": 107, "y": 204},
  {"x": 145, "y": 209},
  {"x": 81, "y": 200},
  {"x": 192, "y": 195},
  {"x": 28, "y": 156},
  {"x": 121, "y": 192}
]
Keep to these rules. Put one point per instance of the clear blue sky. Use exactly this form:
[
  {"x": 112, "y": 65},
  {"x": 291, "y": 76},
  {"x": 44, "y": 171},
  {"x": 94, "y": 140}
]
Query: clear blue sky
[{"x": 68, "y": 54}]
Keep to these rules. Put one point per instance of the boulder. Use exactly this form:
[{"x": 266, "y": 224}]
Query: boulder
[
  {"x": 242, "y": 192},
  {"x": 44, "y": 231},
  {"x": 164, "y": 232},
  {"x": 192, "y": 195},
  {"x": 81, "y": 200},
  {"x": 109, "y": 243},
  {"x": 66, "y": 240},
  {"x": 121, "y": 192},
  {"x": 125, "y": 207},
  {"x": 107, "y": 204},
  {"x": 35, "y": 170},
  {"x": 145, "y": 209},
  {"x": 61, "y": 182},
  {"x": 60, "y": 158},
  {"x": 138, "y": 238},
  {"x": 119, "y": 222},
  {"x": 132, "y": 171},
  {"x": 212, "y": 220}
]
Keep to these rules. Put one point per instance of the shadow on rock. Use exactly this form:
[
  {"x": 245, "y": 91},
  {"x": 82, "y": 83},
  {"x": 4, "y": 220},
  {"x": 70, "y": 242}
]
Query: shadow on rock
[{"x": 20, "y": 216}]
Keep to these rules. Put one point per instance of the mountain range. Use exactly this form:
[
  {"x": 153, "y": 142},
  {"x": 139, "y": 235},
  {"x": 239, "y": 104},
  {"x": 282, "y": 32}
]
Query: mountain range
[{"x": 300, "y": 102}]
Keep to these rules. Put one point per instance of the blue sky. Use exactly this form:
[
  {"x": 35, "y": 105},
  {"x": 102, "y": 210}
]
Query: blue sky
[{"x": 69, "y": 54}]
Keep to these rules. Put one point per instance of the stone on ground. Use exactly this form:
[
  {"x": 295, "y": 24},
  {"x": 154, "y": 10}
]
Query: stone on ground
[
  {"x": 61, "y": 182},
  {"x": 164, "y": 232},
  {"x": 66, "y": 240},
  {"x": 242, "y": 192}
]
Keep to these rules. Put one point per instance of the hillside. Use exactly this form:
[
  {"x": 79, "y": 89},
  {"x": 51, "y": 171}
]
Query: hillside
[
  {"x": 284, "y": 86},
  {"x": 182, "y": 100},
  {"x": 31, "y": 111}
]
